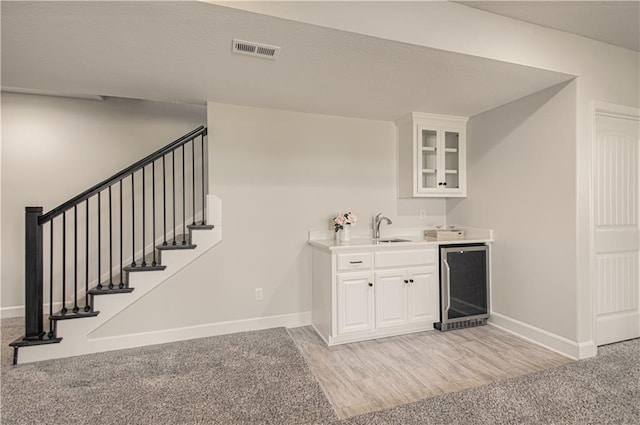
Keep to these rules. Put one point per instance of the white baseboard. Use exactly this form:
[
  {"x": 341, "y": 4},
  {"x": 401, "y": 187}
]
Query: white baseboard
[
  {"x": 18, "y": 310},
  {"x": 587, "y": 349},
  {"x": 553, "y": 342},
  {"x": 13, "y": 311},
  {"x": 203, "y": 331}
]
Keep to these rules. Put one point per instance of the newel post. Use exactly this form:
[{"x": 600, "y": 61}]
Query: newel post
[{"x": 33, "y": 275}]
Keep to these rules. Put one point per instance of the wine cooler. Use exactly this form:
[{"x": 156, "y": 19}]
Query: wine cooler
[{"x": 464, "y": 286}]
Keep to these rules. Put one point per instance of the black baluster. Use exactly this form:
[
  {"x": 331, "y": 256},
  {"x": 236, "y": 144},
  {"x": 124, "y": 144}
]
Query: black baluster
[
  {"x": 144, "y": 227},
  {"x": 193, "y": 181},
  {"x": 121, "y": 284},
  {"x": 99, "y": 242},
  {"x": 203, "y": 182},
  {"x": 164, "y": 202},
  {"x": 51, "y": 278},
  {"x": 75, "y": 259},
  {"x": 133, "y": 223},
  {"x": 110, "y": 242},
  {"x": 64, "y": 263},
  {"x": 184, "y": 227},
  {"x": 86, "y": 259},
  {"x": 173, "y": 177},
  {"x": 153, "y": 210}
]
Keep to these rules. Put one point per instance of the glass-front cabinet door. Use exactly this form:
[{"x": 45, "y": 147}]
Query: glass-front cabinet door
[
  {"x": 439, "y": 160},
  {"x": 451, "y": 169},
  {"x": 428, "y": 157}
]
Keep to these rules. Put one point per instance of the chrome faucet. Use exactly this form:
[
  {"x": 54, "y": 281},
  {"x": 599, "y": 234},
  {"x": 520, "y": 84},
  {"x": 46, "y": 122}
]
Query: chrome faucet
[{"x": 377, "y": 221}]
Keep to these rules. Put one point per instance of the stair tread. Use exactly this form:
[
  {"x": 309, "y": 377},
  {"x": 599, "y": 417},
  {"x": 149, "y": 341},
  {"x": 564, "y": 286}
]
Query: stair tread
[
  {"x": 147, "y": 268},
  {"x": 71, "y": 315},
  {"x": 200, "y": 226},
  {"x": 106, "y": 291},
  {"x": 31, "y": 342},
  {"x": 169, "y": 246}
]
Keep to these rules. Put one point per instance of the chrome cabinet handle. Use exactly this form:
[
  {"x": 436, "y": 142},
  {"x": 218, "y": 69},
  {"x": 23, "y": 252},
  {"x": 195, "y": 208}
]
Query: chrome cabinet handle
[{"x": 445, "y": 288}]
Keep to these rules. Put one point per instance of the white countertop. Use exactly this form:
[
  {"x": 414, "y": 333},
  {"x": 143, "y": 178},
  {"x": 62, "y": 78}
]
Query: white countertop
[{"x": 324, "y": 239}]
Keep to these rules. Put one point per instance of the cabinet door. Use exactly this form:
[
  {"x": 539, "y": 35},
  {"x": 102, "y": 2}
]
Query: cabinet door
[
  {"x": 422, "y": 295},
  {"x": 449, "y": 176},
  {"x": 427, "y": 159},
  {"x": 390, "y": 297},
  {"x": 354, "y": 302}
]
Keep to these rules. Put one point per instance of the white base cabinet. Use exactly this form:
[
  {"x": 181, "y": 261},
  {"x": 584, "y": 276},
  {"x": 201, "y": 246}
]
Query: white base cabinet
[{"x": 370, "y": 294}]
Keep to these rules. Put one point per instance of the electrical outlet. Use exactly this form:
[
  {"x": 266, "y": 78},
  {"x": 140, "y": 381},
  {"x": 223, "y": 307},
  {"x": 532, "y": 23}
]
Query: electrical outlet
[
  {"x": 423, "y": 215},
  {"x": 258, "y": 294}
]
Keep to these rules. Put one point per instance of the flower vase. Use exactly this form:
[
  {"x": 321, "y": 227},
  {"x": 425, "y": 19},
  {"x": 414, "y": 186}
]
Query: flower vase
[{"x": 345, "y": 233}]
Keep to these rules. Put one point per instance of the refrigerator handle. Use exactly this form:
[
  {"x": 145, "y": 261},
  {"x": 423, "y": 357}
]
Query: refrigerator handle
[{"x": 445, "y": 290}]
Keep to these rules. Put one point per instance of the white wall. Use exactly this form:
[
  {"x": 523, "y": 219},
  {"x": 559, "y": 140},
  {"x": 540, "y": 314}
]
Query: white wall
[
  {"x": 605, "y": 73},
  {"x": 521, "y": 169},
  {"x": 268, "y": 184},
  {"x": 1, "y": 214},
  {"x": 279, "y": 174},
  {"x": 54, "y": 148}
]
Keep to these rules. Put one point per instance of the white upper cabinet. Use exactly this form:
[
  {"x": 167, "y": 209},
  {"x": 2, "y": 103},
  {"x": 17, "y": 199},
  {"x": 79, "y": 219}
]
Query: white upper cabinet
[{"x": 432, "y": 156}]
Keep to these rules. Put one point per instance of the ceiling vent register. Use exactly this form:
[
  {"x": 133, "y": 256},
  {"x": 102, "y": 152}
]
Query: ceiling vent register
[{"x": 255, "y": 49}]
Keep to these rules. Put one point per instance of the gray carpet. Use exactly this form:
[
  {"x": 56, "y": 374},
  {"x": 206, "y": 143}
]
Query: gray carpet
[
  {"x": 261, "y": 378},
  {"x": 244, "y": 378}
]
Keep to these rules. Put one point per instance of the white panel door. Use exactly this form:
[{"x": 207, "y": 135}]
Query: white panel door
[
  {"x": 422, "y": 295},
  {"x": 390, "y": 298},
  {"x": 355, "y": 302},
  {"x": 617, "y": 235}
]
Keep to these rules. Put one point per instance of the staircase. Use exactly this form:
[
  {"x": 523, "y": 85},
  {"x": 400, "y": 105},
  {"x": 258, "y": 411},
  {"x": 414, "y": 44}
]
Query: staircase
[{"x": 96, "y": 254}]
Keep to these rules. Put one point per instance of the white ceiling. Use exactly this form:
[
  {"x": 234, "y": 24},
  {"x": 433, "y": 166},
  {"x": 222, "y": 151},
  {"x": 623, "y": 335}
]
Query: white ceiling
[
  {"x": 613, "y": 21},
  {"x": 181, "y": 52}
]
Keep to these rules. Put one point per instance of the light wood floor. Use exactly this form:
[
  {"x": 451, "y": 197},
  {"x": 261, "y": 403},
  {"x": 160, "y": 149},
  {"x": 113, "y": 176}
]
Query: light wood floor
[{"x": 373, "y": 375}]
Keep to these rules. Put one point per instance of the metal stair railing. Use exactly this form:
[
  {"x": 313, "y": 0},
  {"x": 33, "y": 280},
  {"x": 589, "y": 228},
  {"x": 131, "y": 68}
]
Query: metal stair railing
[{"x": 146, "y": 197}]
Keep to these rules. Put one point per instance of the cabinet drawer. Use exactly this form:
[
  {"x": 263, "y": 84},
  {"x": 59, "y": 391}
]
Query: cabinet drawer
[
  {"x": 406, "y": 258},
  {"x": 354, "y": 261}
]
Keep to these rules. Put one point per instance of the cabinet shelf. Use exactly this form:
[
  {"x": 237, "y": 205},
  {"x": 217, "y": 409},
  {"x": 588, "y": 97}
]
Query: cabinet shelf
[
  {"x": 429, "y": 171},
  {"x": 451, "y": 171},
  {"x": 428, "y": 149},
  {"x": 451, "y": 150}
]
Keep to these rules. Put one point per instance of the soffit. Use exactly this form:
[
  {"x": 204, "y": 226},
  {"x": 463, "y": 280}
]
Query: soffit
[{"x": 181, "y": 52}]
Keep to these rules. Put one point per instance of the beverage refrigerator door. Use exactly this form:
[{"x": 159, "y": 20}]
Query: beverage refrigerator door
[{"x": 467, "y": 284}]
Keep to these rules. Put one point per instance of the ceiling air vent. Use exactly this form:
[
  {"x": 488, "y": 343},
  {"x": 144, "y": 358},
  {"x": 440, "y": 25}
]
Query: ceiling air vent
[{"x": 255, "y": 49}]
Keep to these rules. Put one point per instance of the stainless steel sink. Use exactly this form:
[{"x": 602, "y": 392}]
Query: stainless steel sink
[{"x": 392, "y": 240}]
